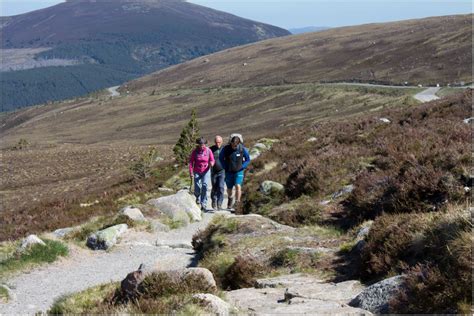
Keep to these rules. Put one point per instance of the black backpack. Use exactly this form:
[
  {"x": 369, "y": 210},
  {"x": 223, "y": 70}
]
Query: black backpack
[{"x": 235, "y": 165}]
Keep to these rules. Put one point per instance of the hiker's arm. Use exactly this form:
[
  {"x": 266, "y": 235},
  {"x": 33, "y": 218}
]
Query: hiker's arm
[
  {"x": 246, "y": 159},
  {"x": 212, "y": 160}
]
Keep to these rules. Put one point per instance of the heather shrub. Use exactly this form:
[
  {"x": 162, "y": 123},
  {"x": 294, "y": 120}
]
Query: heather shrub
[
  {"x": 299, "y": 212},
  {"x": 433, "y": 249},
  {"x": 242, "y": 273}
]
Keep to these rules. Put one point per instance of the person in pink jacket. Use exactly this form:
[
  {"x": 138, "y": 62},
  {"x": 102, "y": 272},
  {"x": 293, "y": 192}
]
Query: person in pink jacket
[{"x": 200, "y": 164}]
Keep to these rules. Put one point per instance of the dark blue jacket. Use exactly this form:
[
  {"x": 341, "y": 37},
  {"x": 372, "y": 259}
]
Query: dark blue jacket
[{"x": 228, "y": 151}]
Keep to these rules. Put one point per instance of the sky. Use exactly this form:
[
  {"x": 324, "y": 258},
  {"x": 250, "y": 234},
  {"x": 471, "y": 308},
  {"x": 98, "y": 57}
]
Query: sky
[{"x": 302, "y": 13}]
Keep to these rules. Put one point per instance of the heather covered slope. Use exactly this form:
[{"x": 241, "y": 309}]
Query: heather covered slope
[
  {"x": 423, "y": 51},
  {"x": 104, "y": 43},
  {"x": 410, "y": 174}
]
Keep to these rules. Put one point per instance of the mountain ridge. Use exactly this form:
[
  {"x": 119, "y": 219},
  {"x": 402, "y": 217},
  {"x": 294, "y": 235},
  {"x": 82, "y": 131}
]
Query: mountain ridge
[{"x": 112, "y": 42}]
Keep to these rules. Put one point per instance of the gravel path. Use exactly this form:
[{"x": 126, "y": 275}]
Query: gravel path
[{"x": 36, "y": 290}]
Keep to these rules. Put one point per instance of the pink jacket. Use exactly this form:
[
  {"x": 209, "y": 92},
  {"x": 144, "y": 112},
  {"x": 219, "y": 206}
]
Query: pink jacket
[{"x": 201, "y": 160}]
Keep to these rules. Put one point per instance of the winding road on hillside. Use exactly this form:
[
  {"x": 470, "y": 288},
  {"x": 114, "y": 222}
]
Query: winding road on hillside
[
  {"x": 426, "y": 95},
  {"x": 114, "y": 91}
]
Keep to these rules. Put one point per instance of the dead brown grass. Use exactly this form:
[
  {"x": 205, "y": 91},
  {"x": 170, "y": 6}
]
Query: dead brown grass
[{"x": 428, "y": 51}]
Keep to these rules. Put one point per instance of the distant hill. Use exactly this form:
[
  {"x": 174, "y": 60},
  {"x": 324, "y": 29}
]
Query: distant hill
[
  {"x": 423, "y": 51},
  {"x": 261, "y": 87},
  {"x": 80, "y": 46},
  {"x": 308, "y": 29}
]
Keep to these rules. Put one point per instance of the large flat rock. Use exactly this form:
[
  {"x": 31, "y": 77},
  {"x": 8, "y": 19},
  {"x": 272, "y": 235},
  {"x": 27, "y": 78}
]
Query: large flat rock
[{"x": 297, "y": 294}]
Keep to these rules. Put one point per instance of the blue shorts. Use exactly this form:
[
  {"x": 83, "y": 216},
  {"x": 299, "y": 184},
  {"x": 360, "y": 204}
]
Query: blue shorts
[{"x": 234, "y": 178}]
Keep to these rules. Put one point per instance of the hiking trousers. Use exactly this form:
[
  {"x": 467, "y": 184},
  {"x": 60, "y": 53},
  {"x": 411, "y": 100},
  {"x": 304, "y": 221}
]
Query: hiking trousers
[
  {"x": 201, "y": 183},
  {"x": 218, "y": 187}
]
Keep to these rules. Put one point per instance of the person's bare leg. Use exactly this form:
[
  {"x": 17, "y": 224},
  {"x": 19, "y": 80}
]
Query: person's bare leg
[{"x": 238, "y": 193}]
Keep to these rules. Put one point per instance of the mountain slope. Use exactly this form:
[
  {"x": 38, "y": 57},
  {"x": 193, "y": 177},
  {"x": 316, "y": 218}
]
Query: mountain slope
[
  {"x": 425, "y": 51},
  {"x": 105, "y": 43}
]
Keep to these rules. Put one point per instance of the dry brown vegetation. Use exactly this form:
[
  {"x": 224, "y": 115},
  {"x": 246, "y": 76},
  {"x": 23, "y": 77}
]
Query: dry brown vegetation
[
  {"x": 413, "y": 176},
  {"x": 47, "y": 189},
  {"x": 427, "y": 51},
  {"x": 146, "y": 119}
]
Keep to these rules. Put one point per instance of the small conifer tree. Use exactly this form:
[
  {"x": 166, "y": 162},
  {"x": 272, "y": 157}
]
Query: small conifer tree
[{"x": 185, "y": 144}]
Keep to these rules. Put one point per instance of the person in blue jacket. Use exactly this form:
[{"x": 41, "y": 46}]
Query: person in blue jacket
[{"x": 235, "y": 158}]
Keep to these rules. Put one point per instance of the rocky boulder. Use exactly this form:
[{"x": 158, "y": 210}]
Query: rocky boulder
[
  {"x": 271, "y": 187},
  {"x": 29, "y": 242},
  {"x": 132, "y": 213},
  {"x": 213, "y": 303},
  {"x": 376, "y": 297},
  {"x": 106, "y": 238},
  {"x": 174, "y": 206}
]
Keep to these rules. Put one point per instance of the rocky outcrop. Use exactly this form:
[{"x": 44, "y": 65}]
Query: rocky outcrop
[
  {"x": 180, "y": 206},
  {"x": 263, "y": 145},
  {"x": 297, "y": 294},
  {"x": 376, "y": 297},
  {"x": 106, "y": 238}
]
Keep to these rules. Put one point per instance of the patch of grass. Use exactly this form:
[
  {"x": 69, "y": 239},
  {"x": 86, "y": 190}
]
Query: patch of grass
[
  {"x": 173, "y": 224},
  {"x": 218, "y": 264},
  {"x": 7, "y": 249},
  {"x": 83, "y": 302},
  {"x": 36, "y": 255},
  {"x": 347, "y": 246},
  {"x": 4, "y": 295}
]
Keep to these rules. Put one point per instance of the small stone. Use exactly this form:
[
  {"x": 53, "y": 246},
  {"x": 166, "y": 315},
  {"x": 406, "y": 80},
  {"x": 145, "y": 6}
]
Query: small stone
[
  {"x": 29, "y": 241},
  {"x": 271, "y": 187},
  {"x": 325, "y": 202},
  {"x": 63, "y": 232},
  {"x": 312, "y": 140},
  {"x": 468, "y": 120},
  {"x": 133, "y": 213},
  {"x": 346, "y": 190},
  {"x": 385, "y": 120}
]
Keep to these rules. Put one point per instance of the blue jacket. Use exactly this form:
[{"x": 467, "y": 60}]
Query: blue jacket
[{"x": 228, "y": 153}]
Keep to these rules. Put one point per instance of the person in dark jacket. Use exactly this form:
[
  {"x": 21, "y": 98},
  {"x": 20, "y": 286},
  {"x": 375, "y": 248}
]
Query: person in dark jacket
[
  {"x": 235, "y": 158},
  {"x": 217, "y": 176}
]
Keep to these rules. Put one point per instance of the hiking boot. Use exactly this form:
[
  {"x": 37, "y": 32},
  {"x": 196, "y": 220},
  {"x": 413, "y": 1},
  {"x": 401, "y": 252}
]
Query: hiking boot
[
  {"x": 214, "y": 205},
  {"x": 203, "y": 208}
]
